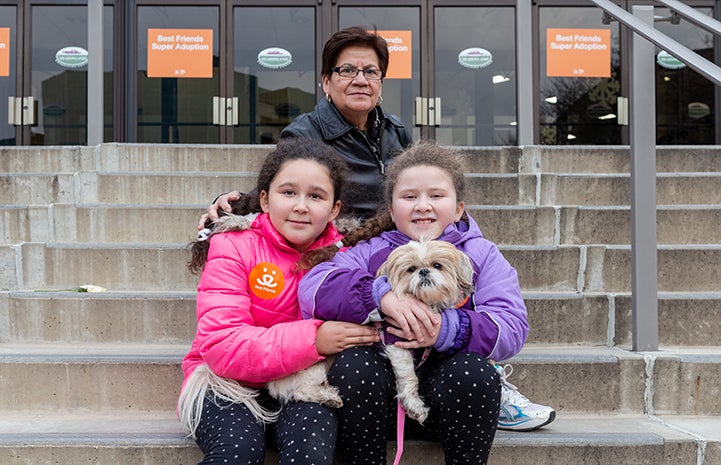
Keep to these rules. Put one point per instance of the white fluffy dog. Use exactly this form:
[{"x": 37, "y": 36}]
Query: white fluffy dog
[
  {"x": 435, "y": 272},
  {"x": 438, "y": 274}
]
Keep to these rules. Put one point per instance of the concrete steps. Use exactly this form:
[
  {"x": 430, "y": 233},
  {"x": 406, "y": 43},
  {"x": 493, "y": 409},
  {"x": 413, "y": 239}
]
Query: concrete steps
[
  {"x": 94, "y": 377},
  {"x": 154, "y": 438}
]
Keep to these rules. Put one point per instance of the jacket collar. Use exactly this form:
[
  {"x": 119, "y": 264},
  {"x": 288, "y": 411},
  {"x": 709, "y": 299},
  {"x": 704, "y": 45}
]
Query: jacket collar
[
  {"x": 333, "y": 125},
  {"x": 264, "y": 226},
  {"x": 456, "y": 233}
]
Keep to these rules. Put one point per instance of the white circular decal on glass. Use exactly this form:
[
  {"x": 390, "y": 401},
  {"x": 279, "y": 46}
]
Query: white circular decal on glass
[
  {"x": 72, "y": 57},
  {"x": 274, "y": 58},
  {"x": 475, "y": 58},
  {"x": 668, "y": 61}
]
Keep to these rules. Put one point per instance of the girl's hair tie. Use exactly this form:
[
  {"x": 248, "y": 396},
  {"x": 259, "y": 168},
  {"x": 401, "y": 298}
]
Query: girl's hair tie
[
  {"x": 204, "y": 234},
  {"x": 339, "y": 244}
]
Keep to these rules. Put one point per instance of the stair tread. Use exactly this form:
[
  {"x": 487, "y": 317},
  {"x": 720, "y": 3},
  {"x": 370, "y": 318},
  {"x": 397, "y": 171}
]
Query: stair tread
[{"x": 141, "y": 427}]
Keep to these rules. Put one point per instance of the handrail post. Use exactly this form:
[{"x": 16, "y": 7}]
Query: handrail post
[{"x": 643, "y": 189}]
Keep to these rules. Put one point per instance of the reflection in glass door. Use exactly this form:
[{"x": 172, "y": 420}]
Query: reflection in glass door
[
  {"x": 59, "y": 43},
  {"x": 403, "y": 85},
  {"x": 475, "y": 75},
  {"x": 578, "y": 110},
  {"x": 178, "y": 74},
  {"x": 684, "y": 98},
  {"x": 8, "y": 73},
  {"x": 274, "y": 77}
]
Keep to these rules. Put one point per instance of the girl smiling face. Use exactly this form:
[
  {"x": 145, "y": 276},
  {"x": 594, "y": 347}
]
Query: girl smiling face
[
  {"x": 300, "y": 202},
  {"x": 424, "y": 202}
]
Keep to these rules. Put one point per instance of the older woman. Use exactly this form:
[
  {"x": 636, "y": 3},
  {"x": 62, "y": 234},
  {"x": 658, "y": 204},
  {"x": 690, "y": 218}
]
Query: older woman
[{"x": 350, "y": 119}]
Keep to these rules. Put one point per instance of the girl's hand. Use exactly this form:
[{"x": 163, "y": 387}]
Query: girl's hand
[
  {"x": 414, "y": 342},
  {"x": 413, "y": 320},
  {"x": 336, "y": 336}
]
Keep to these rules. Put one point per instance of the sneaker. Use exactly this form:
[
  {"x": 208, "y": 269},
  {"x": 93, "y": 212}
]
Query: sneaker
[{"x": 517, "y": 412}]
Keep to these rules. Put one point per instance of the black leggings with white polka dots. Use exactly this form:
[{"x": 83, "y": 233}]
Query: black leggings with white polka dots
[
  {"x": 228, "y": 433},
  {"x": 462, "y": 391}
]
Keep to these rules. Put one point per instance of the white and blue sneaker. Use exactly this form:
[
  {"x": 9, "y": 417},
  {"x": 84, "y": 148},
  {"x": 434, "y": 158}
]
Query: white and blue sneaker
[{"x": 517, "y": 412}]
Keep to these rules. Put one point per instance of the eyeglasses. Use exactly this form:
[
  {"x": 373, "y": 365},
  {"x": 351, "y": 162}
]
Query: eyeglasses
[{"x": 351, "y": 72}]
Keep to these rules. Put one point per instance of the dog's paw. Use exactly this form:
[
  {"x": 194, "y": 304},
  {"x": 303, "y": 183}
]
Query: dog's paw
[
  {"x": 416, "y": 409},
  {"x": 324, "y": 394}
]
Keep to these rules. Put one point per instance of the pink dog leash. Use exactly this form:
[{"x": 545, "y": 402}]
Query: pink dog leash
[{"x": 401, "y": 418}]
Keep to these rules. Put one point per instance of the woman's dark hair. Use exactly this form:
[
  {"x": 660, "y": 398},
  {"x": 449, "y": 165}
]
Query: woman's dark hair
[
  {"x": 354, "y": 35},
  {"x": 288, "y": 149},
  {"x": 421, "y": 154}
]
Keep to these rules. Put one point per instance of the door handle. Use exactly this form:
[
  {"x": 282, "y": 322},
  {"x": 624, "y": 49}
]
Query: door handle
[
  {"x": 434, "y": 111},
  {"x": 428, "y": 111},
  {"x": 22, "y": 111},
  {"x": 29, "y": 116},
  {"x": 421, "y": 111},
  {"x": 219, "y": 111},
  {"x": 225, "y": 111},
  {"x": 11, "y": 111},
  {"x": 231, "y": 111}
]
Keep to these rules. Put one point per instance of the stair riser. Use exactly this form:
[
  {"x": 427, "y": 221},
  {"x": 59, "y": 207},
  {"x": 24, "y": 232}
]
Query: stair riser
[
  {"x": 561, "y": 269},
  {"x": 616, "y": 190},
  {"x": 90, "y": 320},
  {"x": 95, "y": 385}
]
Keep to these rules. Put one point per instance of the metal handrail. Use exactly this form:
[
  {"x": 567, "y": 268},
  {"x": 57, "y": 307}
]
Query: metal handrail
[
  {"x": 681, "y": 52},
  {"x": 643, "y": 150},
  {"x": 693, "y": 15}
]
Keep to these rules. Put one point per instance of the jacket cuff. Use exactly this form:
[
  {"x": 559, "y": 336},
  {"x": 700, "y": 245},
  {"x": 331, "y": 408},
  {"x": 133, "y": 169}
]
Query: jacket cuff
[
  {"x": 450, "y": 323},
  {"x": 380, "y": 288},
  {"x": 464, "y": 332}
]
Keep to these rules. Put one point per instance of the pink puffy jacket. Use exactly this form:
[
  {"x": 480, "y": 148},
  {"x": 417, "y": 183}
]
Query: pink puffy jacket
[{"x": 249, "y": 323}]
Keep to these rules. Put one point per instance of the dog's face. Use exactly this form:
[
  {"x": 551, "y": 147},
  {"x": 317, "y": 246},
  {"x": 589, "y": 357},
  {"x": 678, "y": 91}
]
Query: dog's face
[{"x": 435, "y": 272}]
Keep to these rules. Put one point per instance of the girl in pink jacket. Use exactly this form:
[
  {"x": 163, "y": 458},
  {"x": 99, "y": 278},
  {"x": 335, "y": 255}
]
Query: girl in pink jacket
[{"x": 250, "y": 329}]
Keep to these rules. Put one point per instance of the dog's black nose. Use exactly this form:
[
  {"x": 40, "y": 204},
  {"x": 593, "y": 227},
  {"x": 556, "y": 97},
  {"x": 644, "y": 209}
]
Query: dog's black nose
[{"x": 424, "y": 272}]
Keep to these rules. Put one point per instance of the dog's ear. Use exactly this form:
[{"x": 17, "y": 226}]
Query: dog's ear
[{"x": 465, "y": 275}]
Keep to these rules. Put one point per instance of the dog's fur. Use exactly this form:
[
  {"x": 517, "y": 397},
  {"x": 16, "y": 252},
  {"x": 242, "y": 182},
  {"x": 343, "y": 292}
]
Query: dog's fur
[
  {"x": 438, "y": 274},
  {"x": 435, "y": 272}
]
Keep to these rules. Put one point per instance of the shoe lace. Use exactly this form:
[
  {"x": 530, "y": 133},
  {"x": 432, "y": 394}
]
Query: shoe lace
[{"x": 509, "y": 392}]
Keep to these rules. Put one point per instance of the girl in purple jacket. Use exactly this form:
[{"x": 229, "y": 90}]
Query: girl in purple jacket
[
  {"x": 250, "y": 329},
  {"x": 424, "y": 197}
]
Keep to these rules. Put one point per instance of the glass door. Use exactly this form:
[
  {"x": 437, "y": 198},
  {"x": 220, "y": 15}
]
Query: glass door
[
  {"x": 579, "y": 104},
  {"x": 179, "y": 76},
  {"x": 474, "y": 63},
  {"x": 684, "y": 98},
  {"x": 274, "y": 74},
  {"x": 401, "y": 27},
  {"x": 59, "y": 58},
  {"x": 8, "y": 75}
]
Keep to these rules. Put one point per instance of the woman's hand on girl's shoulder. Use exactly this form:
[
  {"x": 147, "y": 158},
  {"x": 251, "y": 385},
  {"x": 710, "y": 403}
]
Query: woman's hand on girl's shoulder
[{"x": 335, "y": 336}]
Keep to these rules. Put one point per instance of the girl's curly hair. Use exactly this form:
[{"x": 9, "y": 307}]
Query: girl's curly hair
[
  {"x": 288, "y": 149},
  {"x": 420, "y": 154}
]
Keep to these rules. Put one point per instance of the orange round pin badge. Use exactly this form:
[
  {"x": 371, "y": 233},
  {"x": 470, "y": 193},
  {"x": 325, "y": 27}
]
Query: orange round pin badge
[{"x": 266, "y": 280}]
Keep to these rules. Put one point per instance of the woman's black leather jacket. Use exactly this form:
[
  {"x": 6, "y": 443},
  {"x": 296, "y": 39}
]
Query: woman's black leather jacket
[{"x": 367, "y": 154}]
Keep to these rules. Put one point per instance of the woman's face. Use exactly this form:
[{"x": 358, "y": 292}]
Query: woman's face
[{"x": 354, "y": 98}]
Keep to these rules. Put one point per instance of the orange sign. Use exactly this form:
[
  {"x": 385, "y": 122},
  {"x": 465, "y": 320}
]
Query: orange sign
[
  {"x": 180, "y": 53},
  {"x": 578, "y": 52},
  {"x": 266, "y": 280},
  {"x": 4, "y": 51},
  {"x": 399, "y": 46}
]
